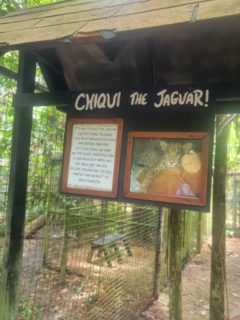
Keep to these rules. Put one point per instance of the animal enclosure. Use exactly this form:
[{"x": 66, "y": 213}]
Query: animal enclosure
[{"x": 58, "y": 280}]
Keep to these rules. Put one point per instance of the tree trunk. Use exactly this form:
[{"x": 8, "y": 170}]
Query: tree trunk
[
  {"x": 218, "y": 227},
  {"x": 34, "y": 226},
  {"x": 175, "y": 265}
]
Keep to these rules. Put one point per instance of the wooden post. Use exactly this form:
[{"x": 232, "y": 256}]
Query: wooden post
[
  {"x": 48, "y": 216},
  {"x": 217, "y": 290},
  {"x": 235, "y": 203},
  {"x": 64, "y": 254},
  {"x": 12, "y": 259},
  {"x": 175, "y": 265},
  {"x": 187, "y": 232},
  {"x": 156, "y": 280},
  {"x": 199, "y": 233}
]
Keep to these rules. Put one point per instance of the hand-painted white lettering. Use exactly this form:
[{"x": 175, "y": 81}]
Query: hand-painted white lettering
[
  {"x": 189, "y": 99},
  {"x": 174, "y": 98},
  {"x": 166, "y": 101},
  {"x": 101, "y": 102},
  {"x": 161, "y": 95},
  {"x": 198, "y": 95},
  {"x": 86, "y": 101},
  {"x": 182, "y": 98},
  {"x": 196, "y": 98},
  {"x": 113, "y": 103},
  {"x": 118, "y": 99},
  {"x": 137, "y": 98},
  {"x": 164, "y": 98},
  {"x": 206, "y": 98},
  {"x": 77, "y": 107}
]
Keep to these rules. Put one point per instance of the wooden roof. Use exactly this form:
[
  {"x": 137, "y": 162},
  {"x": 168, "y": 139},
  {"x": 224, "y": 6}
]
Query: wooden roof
[{"x": 84, "y": 17}]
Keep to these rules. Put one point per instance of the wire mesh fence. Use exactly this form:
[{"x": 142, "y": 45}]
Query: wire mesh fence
[
  {"x": 233, "y": 204},
  {"x": 96, "y": 261},
  {"x": 83, "y": 258}
]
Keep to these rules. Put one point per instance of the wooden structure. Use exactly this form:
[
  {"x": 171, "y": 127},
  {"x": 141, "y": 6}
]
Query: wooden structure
[
  {"x": 92, "y": 44},
  {"x": 108, "y": 242}
]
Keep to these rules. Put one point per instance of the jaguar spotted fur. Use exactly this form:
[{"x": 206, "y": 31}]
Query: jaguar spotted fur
[{"x": 155, "y": 159}]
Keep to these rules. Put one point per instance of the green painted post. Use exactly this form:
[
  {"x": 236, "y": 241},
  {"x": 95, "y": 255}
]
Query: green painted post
[{"x": 12, "y": 260}]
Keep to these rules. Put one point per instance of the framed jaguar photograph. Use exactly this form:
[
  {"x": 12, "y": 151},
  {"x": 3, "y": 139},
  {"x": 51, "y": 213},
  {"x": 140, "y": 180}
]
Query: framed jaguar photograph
[{"x": 167, "y": 167}]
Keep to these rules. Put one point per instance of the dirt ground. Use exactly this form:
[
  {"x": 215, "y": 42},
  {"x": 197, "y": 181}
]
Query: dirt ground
[
  {"x": 53, "y": 298},
  {"x": 88, "y": 289},
  {"x": 195, "y": 286}
]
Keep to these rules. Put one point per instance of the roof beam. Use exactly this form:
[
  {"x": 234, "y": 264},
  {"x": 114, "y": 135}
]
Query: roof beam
[
  {"x": 96, "y": 52},
  {"x": 8, "y": 73},
  {"x": 66, "y": 98},
  {"x": 51, "y": 70}
]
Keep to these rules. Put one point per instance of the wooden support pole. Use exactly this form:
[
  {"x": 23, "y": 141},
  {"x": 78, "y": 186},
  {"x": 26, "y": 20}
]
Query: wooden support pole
[
  {"x": 12, "y": 260},
  {"x": 217, "y": 290},
  {"x": 187, "y": 232},
  {"x": 235, "y": 204},
  {"x": 175, "y": 264},
  {"x": 199, "y": 233},
  {"x": 64, "y": 254},
  {"x": 156, "y": 280}
]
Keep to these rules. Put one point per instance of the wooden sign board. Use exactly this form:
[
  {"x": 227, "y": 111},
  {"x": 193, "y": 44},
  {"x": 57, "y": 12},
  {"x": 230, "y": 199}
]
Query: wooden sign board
[
  {"x": 102, "y": 159},
  {"x": 154, "y": 100},
  {"x": 169, "y": 167},
  {"x": 92, "y": 156}
]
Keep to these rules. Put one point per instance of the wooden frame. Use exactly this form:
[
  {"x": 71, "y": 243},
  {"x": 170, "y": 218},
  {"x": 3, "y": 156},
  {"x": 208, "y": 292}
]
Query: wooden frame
[
  {"x": 92, "y": 156},
  {"x": 169, "y": 167}
]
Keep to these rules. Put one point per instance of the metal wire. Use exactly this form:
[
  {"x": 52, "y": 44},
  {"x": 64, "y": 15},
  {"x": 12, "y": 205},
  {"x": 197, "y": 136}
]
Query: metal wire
[{"x": 63, "y": 275}]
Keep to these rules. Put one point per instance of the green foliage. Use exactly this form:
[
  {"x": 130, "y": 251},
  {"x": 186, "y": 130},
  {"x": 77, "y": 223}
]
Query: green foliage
[
  {"x": 234, "y": 145},
  {"x": 2, "y": 230},
  {"x": 229, "y": 232},
  {"x": 27, "y": 311},
  {"x": 45, "y": 159},
  {"x": 10, "y": 5}
]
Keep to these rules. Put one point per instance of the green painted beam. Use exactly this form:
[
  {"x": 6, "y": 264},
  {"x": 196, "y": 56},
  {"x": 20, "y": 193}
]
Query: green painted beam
[{"x": 56, "y": 98}]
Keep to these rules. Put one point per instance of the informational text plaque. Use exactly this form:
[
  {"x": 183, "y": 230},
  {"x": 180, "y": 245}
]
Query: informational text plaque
[{"x": 92, "y": 154}]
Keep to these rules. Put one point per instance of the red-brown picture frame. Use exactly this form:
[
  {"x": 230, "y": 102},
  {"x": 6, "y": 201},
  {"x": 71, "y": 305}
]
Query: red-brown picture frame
[
  {"x": 89, "y": 124},
  {"x": 173, "y": 172}
]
